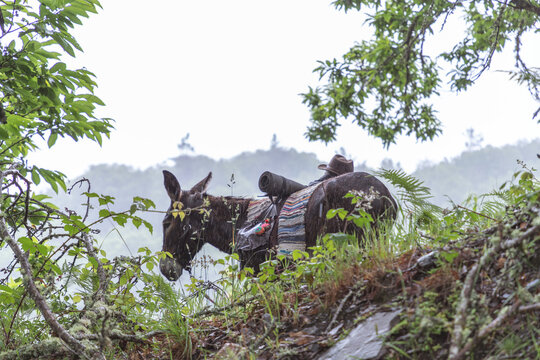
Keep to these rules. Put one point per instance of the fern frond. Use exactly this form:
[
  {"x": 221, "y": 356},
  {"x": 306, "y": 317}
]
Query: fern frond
[
  {"x": 165, "y": 292},
  {"x": 410, "y": 190},
  {"x": 493, "y": 208},
  {"x": 402, "y": 180},
  {"x": 503, "y": 195}
]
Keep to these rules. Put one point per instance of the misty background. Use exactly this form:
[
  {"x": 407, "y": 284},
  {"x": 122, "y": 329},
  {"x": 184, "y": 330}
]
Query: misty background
[{"x": 477, "y": 170}]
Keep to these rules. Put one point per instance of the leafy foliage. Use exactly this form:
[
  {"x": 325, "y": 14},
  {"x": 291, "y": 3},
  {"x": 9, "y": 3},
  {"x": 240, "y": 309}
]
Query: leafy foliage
[
  {"x": 60, "y": 282},
  {"x": 385, "y": 84},
  {"x": 40, "y": 96},
  {"x": 58, "y": 278},
  {"x": 414, "y": 194}
]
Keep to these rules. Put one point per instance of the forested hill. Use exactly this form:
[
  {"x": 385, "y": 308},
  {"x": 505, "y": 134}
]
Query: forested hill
[
  {"x": 477, "y": 172},
  {"x": 237, "y": 176}
]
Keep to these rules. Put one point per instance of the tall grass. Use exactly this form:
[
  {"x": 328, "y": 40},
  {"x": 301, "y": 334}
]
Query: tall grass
[{"x": 331, "y": 267}]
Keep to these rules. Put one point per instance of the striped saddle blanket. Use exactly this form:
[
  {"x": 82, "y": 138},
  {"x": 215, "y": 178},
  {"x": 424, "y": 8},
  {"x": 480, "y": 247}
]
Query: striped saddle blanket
[
  {"x": 291, "y": 224},
  {"x": 291, "y": 230}
]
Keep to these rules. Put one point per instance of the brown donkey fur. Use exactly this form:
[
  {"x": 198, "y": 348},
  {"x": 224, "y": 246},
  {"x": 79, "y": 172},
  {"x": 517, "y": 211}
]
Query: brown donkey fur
[{"x": 184, "y": 238}]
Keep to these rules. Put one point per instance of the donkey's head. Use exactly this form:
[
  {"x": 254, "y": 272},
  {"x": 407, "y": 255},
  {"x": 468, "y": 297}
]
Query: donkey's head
[{"x": 182, "y": 236}]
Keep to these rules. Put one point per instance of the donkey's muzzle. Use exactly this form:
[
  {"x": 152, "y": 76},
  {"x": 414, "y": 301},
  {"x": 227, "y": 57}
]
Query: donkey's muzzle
[{"x": 170, "y": 268}]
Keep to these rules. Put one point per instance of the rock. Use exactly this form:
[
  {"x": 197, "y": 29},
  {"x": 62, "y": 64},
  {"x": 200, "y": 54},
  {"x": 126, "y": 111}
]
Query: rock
[
  {"x": 335, "y": 330},
  {"x": 314, "y": 348},
  {"x": 247, "y": 334},
  {"x": 428, "y": 259},
  {"x": 365, "y": 341},
  {"x": 267, "y": 319},
  {"x": 533, "y": 285}
]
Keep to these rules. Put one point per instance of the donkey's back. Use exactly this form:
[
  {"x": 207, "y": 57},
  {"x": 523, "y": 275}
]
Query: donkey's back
[{"x": 330, "y": 194}]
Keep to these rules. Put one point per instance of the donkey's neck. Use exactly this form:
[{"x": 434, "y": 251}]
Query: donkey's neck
[{"x": 226, "y": 216}]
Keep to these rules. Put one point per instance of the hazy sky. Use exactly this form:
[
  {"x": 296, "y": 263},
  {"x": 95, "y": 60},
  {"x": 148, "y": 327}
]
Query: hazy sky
[{"x": 230, "y": 74}]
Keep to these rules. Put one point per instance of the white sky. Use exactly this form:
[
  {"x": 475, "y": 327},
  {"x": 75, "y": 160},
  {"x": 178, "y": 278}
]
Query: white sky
[{"x": 230, "y": 74}]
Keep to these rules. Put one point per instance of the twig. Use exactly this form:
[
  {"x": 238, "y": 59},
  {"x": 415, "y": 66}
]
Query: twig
[
  {"x": 117, "y": 335},
  {"x": 426, "y": 236},
  {"x": 223, "y": 308},
  {"x": 475, "y": 212},
  {"x": 340, "y": 307},
  {"x": 530, "y": 307},
  {"x": 526, "y": 5},
  {"x": 102, "y": 275},
  {"x": 451, "y": 11},
  {"x": 487, "y": 62},
  {"x": 48, "y": 349},
  {"x": 259, "y": 341},
  {"x": 514, "y": 242},
  {"x": 8, "y": 336},
  {"x": 87, "y": 204}
]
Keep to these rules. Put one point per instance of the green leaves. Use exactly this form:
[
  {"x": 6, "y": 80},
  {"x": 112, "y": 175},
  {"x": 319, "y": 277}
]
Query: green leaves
[
  {"x": 53, "y": 178},
  {"x": 341, "y": 213},
  {"x": 41, "y": 96},
  {"x": 52, "y": 139},
  {"x": 41, "y": 100},
  {"x": 122, "y": 218},
  {"x": 358, "y": 216},
  {"x": 385, "y": 84}
]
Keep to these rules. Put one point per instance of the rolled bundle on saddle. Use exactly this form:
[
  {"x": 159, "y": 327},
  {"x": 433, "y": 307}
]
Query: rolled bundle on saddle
[{"x": 277, "y": 185}]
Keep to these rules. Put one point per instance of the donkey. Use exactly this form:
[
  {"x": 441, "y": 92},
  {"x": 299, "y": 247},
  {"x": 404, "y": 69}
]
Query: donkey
[{"x": 183, "y": 238}]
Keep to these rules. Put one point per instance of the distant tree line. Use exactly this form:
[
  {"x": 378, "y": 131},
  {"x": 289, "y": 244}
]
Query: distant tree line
[{"x": 474, "y": 171}]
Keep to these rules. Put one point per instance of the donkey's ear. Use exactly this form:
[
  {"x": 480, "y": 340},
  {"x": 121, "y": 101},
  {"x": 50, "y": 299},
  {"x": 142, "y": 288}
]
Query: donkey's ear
[
  {"x": 171, "y": 185},
  {"x": 202, "y": 185}
]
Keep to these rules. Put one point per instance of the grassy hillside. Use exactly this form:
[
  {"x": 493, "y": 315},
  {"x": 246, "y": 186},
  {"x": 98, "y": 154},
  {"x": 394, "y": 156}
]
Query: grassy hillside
[
  {"x": 458, "y": 283},
  {"x": 463, "y": 285}
]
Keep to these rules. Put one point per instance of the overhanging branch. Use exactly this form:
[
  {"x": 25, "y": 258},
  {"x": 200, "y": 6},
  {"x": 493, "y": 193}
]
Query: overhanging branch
[{"x": 527, "y": 6}]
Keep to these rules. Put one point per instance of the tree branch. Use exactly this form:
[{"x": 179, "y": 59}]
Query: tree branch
[
  {"x": 492, "y": 326},
  {"x": 117, "y": 335},
  {"x": 504, "y": 314},
  {"x": 461, "y": 312},
  {"x": 73, "y": 344},
  {"x": 527, "y": 6}
]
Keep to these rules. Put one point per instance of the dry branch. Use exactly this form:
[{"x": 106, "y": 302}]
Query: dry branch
[
  {"x": 102, "y": 275},
  {"x": 338, "y": 310},
  {"x": 214, "y": 311},
  {"x": 117, "y": 335},
  {"x": 73, "y": 344},
  {"x": 486, "y": 330},
  {"x": 504, "y": 314}
]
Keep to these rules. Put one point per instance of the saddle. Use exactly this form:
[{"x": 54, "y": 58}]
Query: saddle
[{"x": 287, "y": 214}]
